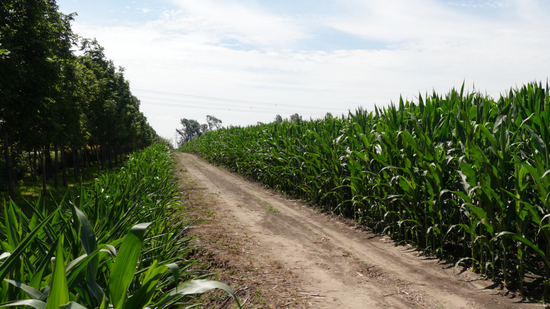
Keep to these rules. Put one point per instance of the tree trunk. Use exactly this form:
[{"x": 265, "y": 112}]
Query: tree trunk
[
  {"x": 9, "y": 168},
  {"x": 116, "y": 154},
  {"x": 75, "y": 164},
  {"x": 82, "y": 164},
  {"x": 109, "y": 153},
  {"x": 56, "y": 168},
  {"x": 43, "y": 155},
  {"x": 86, "y": 159},
  {"x": 88, "y": 164},
  {"x": 33, "y": 169},
  {"x": 64, "y": 165},
  {"x": 35, "y": 164},
  {"x": 102, "y": 154},
  {"x": 48, "y": 163},
  {"x": 97, "y": 155}
]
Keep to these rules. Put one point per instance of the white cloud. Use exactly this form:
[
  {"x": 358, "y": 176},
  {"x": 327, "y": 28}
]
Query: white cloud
[
  {"x": 480, "y": 4},
  {"x": 403, "y": 22},
  {"x": 433, "y": 45},
  {"x": 244, "y": 21}
]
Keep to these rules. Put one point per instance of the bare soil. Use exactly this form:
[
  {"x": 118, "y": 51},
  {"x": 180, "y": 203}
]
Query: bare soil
[{"x": 277, "y": 252}]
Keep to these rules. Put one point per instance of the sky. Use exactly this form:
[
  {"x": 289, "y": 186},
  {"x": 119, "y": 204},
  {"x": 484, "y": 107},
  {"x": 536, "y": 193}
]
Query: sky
[{"x": 245, "y": 61}]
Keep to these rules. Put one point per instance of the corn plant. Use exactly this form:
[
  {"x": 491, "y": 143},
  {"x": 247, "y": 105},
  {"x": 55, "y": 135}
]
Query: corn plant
[
  {"x": 119, "y": 244},
  {"x": 461, "y": 174}
]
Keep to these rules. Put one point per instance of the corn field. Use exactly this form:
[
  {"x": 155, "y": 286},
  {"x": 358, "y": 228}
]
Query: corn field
[
  {"x": 121, "y": 243},
  {"x": 461, "y": 175}
]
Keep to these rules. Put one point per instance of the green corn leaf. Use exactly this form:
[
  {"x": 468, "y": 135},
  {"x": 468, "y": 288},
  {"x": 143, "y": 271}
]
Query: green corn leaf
[
  {"x": 76, "y": 263},
  {"x": 72, "y": 305},
  {"x": 87, "y": 235},
  {"x": 412, "y": 142},
  {"x": 489, "y": 136},
  {"x": 31, "y": 292},
  {"x": 539, "y": 142},
  {"x": 459, "y": 129},
  {"x": 526, "y": 242},
  {"x": 142, "y": 297},
  {"x": 74, "y": 271},
  {"x": 406, "y": 185},
  {"x": 7, "y": 265},
  {"x": 468, "y": 172},
  {"x": 201, "y": 286},
  {"x": 88, "y": 239},
  {"x": 59, "y": 292},
  {"x": 538, "y": 179},
  {"x": 13, "y": 225},
  {"x": 37, "y": 304},
  {"x": 534, "y": 212},
  {"x": 174, "y": 268},
  {"x": 460, "y": 261},
  {"x": 498, "y": 122},
  {"x": 522, "y": 179},
  {"x": 124, "y": 268},
  {"x": 103, "y": 303},
  {"x": 480, "y": 212},
  {"x": 545, "y": 174}
]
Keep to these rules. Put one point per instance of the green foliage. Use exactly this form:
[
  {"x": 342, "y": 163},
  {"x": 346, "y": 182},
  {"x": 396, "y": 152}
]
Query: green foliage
[
  {"x": 461, "y": 175},
  {"x": 121, "y": 243},
  {"x": 52, "y": 99},
  {"x": 192, "y": 128}
]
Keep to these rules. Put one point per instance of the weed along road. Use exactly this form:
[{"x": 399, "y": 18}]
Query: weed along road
[{"x": 339, "y": 264}]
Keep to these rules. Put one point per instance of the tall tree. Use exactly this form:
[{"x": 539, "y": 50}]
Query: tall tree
[
  {"x": 295, "y": 117},
  {"x": 34, "y": 37},
  {"x": 204, "y": 128},
  {"x": 50, "y": 99},
  {"x": 191, "y": 128},
  {"x": 101, "y": 112},
  {"x": 77, "y": 88},
  {"x": 213, "y": 123}
]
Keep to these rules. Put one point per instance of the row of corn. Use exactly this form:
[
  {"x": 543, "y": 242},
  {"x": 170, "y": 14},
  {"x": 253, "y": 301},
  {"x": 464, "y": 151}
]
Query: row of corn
[
  {"x": 460, "y": 175},
  {"x": 121, "y": 243}
]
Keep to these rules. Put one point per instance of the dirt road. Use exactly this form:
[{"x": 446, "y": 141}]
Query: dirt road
[{"x": 340, "y": 265}]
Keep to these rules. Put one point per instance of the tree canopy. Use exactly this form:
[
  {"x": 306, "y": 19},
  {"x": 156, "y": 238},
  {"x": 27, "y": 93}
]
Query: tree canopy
[
  {"x": 192, "y": 128},
  {"x": 51, "y": 98}
]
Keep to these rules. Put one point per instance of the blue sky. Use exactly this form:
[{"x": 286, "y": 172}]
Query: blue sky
[{"x": 245, "y": 61}]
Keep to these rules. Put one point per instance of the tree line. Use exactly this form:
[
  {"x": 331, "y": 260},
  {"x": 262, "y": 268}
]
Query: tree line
[
  {"x": 53, "y": 102},
  {"x": 192, "y": 128}
]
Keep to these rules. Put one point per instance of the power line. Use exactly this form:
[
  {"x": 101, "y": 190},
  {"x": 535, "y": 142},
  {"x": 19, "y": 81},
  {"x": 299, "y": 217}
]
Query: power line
[
  {"x": 221, "y": 105},
  {"x": 231, "y": 109},
  {"x": 224, "y": 101}
]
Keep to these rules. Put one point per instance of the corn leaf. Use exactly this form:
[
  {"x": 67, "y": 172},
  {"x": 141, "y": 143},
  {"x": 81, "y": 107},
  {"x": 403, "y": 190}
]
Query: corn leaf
[
  {"x": 59, "y": 293},
  {"x": 7, "y": 265},
  {"x": 201, "y": 286},
  {"x": 37, "y": 304},
  {"x": 124, "y": 268}
]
